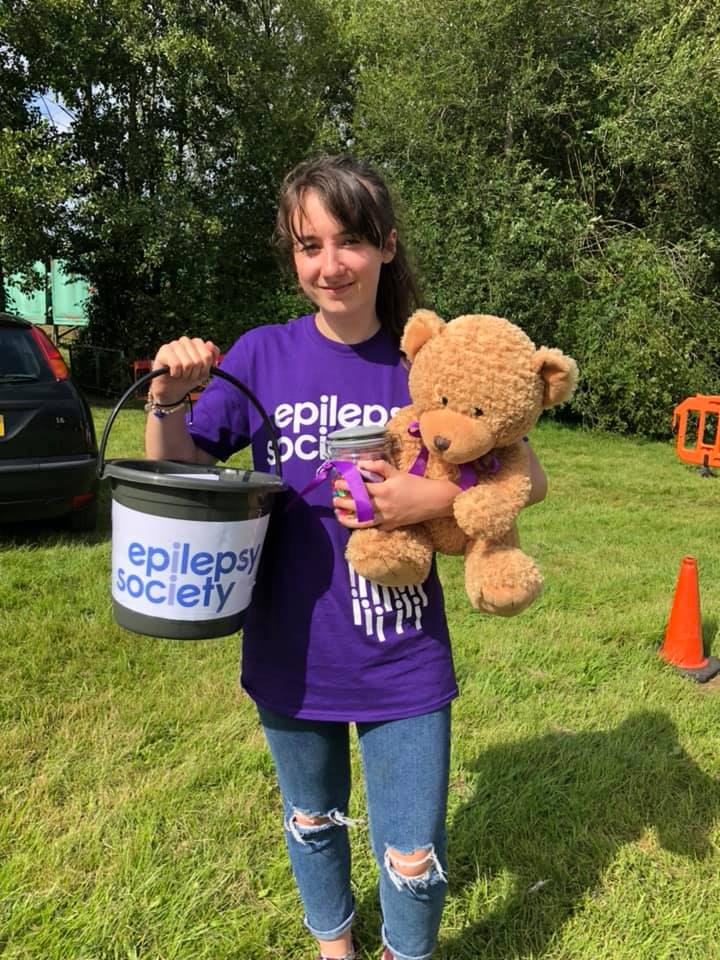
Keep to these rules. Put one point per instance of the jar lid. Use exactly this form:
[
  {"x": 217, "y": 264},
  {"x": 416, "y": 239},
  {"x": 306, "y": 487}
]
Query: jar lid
[{"x": 374, "y": 432}]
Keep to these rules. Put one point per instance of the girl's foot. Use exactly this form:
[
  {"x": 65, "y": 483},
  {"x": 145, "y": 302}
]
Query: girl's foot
[{"x": 349, "y": 955}]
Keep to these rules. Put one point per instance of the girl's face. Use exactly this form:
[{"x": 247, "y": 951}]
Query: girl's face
[{"x": 337, "y": 271}]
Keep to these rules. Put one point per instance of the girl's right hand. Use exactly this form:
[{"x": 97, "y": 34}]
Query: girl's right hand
[{"x": 189, "y": 361}]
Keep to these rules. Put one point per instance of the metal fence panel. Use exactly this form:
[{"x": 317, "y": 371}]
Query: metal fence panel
[{"x": 99, "y": 369}]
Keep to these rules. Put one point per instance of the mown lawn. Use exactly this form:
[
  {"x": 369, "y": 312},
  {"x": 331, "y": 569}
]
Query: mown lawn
[{"x": 138, "y": 809}]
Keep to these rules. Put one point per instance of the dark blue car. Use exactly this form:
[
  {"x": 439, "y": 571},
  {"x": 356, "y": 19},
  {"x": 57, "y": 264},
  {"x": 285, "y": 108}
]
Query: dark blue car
[{"x": 48, "y": 448}]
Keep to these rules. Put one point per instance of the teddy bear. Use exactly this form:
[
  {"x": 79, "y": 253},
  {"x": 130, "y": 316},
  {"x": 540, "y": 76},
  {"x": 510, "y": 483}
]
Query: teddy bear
[{"x": 477, "y": 385}]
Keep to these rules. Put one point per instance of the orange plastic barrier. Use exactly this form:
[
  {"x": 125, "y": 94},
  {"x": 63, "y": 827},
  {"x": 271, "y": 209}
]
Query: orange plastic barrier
[
  {"x": 139, "y": 367},
  {"x": 696, "y": 449}
]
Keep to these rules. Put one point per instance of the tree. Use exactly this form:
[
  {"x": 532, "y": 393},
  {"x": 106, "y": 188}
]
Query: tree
[
  {"x": 35, "y": 177},
  {"x": 185, "y": 116},
  {"x": 476, "y": 107},
  {"x": 558, "y": 166}
]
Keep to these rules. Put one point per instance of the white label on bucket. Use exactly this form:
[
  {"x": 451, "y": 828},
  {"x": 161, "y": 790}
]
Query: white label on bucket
[
  {"x": 183, "y": 569},
  {"x": 194, "y": 476}
]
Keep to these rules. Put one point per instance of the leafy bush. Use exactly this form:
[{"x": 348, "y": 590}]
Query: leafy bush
[
  {"x": 502, "y": 241},
  {"x": 643, "y": 337}
]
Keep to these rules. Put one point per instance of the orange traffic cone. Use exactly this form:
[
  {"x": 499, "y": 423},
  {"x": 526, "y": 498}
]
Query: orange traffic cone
[{"x": 683, "y": 644}]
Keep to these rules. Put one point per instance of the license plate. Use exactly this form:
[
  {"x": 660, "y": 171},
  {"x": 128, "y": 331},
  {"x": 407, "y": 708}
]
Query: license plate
[{"x": 2, "y": 425}]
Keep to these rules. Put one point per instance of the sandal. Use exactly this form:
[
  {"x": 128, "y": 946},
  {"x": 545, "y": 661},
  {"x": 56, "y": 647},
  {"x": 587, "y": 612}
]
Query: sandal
[{"x": 348, "y": 956}]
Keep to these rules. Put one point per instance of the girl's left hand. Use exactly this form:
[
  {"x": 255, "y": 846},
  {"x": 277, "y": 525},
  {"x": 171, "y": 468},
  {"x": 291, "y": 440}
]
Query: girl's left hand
[{"x": 398, "y": 500}]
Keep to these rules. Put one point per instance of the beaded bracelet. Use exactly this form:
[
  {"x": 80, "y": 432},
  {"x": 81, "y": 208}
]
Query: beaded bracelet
[{"x": 161, "y": 410}]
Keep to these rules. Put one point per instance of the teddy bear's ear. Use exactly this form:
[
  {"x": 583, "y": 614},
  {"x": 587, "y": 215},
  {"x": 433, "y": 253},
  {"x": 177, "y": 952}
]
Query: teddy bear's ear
[
  {"x": 421, "y": 326},
  {"x": 559, "y": 373}
]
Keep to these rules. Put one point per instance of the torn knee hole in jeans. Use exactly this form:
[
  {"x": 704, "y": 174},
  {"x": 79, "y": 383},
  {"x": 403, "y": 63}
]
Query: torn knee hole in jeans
[
  {"x": 313, "y": 823},
  {"x": 409, "y": 870}
]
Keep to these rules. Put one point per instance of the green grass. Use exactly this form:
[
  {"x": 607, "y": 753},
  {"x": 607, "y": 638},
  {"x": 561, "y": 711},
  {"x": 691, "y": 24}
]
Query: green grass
[{"x": 139, "y": 816}]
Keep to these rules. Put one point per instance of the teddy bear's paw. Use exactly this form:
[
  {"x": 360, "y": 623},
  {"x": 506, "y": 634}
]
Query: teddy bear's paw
[
  {"x": 505, "y": 603},
  {"x": 447, "y": 537},
  {"x": 396, "y": 558},
  {"x": 507, "y": 584},
  {"x": 483, "y": 513}
]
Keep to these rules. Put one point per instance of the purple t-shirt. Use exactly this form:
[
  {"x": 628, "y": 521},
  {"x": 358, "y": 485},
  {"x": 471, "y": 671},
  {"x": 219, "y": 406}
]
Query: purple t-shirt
[{"x": 320, "y": 642}]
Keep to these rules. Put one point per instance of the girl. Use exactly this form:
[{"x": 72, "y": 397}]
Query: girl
[{"x": 322, "y": 648}]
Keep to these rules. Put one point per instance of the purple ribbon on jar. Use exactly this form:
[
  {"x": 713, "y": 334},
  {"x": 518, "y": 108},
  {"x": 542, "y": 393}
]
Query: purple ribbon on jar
[{"x": 352, "y": 476}]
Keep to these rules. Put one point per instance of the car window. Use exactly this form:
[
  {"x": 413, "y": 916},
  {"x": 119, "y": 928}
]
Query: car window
[{"x": 20, "y": 358}]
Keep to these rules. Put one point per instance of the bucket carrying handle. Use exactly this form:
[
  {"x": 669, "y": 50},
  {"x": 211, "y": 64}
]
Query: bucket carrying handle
[{"x": 215, "y": 372}]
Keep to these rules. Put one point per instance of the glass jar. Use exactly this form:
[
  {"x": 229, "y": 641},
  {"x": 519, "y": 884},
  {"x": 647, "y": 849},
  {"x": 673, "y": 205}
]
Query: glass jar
[{"x": 359, "y": 443}]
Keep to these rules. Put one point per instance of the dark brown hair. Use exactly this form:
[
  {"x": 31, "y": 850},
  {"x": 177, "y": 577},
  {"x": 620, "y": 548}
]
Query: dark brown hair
[{"x": 353, "y": 192}]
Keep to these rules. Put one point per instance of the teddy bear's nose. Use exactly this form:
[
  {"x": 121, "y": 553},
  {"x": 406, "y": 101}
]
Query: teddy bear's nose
[{"x": 441, "y": 443}]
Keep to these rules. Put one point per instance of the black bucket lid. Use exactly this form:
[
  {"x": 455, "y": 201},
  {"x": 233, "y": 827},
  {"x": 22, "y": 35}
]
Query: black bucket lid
[{"x": 193, "y": 476}]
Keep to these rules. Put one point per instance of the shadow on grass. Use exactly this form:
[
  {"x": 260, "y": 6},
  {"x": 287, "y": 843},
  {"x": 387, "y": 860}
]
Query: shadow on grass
[{"x": 549, "y": 816}]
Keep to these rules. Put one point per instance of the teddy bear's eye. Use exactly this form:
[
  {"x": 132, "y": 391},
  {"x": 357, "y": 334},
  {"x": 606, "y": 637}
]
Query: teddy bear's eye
[
  {"x": 444, "y": 401},
  {"x": 477, "y": 411}
]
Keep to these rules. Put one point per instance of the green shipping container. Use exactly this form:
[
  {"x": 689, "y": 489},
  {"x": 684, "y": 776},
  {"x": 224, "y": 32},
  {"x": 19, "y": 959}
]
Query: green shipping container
[
  {"x": 30, "y": 306},
  {"x": 60, "y": 302},
  {"x": 68, "y": 297}
]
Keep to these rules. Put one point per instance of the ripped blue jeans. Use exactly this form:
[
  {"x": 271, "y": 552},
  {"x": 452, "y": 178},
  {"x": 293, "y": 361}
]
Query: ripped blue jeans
[{"x": 406, "y": 768}]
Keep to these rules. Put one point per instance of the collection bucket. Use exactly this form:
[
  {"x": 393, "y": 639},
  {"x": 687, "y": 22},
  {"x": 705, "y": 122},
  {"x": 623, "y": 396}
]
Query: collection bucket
[{"x": 186, "y": 537}]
